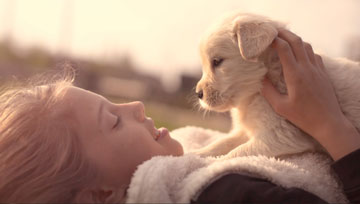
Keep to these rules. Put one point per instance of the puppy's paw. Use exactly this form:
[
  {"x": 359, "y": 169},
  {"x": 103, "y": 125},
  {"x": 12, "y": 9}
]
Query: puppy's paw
[
  {"x": 204, "y": 152},
  {"x": 247, "y": 149}
]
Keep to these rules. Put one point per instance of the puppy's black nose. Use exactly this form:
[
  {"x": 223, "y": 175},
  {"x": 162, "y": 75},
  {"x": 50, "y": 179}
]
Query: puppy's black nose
[{"x": 200, "y": 94}]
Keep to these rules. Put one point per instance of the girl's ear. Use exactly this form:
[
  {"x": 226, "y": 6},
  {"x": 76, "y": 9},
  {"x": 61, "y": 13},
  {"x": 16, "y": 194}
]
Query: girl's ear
[
  {"x": 99, "y": 195},
  {"x": 253, "y": 36}
]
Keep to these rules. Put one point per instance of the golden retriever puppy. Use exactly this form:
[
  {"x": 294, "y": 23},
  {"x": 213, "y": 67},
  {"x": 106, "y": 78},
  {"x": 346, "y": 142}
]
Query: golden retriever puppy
[{"x": 236, "y": 56}]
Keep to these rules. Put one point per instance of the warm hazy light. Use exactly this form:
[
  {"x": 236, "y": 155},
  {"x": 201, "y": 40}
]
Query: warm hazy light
[{"x": 162, "y": 36}]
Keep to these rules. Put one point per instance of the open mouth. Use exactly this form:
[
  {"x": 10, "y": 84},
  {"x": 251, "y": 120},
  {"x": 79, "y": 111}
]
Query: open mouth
[
  {"x": 157, "y": 134},
  {"x": 160, "y": 133}
]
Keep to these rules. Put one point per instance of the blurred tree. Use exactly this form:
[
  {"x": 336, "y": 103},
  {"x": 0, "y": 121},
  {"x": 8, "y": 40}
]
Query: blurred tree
[
  {"x": 39, "y": 59},
  {"x": 7, "y": 52}
]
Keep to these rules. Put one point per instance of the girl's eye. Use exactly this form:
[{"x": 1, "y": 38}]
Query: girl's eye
[
  {"x": 216, "y": 62},
  {"x": 117, "y": 122}
]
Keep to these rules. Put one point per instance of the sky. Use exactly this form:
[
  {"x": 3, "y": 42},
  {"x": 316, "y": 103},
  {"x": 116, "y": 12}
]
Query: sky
[{"x": 162, "y": 36}]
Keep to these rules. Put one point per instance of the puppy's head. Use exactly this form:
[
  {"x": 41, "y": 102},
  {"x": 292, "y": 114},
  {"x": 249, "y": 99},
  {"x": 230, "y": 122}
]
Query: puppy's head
[{"x": 231, "y": 54}]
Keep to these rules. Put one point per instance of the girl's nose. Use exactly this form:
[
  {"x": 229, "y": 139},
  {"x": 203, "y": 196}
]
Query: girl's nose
[{"x": 139, "y": 110}]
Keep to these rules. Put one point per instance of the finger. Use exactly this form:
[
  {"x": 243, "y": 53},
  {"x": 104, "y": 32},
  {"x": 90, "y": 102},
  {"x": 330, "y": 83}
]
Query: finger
[
  {"x": 287, "y": 58},
  {"x": 310, "y": 53},
  {"x": 296, "y": 44},
  {"x": 272, "y": 95}
]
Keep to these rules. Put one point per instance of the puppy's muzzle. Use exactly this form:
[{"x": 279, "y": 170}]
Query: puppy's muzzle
[{"x": 200, "y": 94}]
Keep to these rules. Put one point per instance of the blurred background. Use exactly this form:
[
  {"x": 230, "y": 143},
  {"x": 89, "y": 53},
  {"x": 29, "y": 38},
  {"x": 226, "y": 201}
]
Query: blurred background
[{"x": 147, "y": 50}]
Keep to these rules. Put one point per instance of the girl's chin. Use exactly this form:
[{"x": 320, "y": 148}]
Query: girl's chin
[
  {"x": 173, "y": 147},
  {"x": 178, "y": 149}
]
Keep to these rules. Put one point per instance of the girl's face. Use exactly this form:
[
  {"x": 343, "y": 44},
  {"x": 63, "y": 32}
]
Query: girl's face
[{"x": 117, "y": 137}]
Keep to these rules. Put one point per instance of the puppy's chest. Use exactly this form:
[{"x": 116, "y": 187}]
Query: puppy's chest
[{"x": 258, "y": 117}]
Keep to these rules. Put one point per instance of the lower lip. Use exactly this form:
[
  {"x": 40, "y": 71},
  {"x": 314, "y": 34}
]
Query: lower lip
[{"x": 163, "y": 133}]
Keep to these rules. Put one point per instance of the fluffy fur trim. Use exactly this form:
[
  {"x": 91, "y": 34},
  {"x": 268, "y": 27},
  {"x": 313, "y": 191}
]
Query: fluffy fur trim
[{"x": 167, "y": 179}]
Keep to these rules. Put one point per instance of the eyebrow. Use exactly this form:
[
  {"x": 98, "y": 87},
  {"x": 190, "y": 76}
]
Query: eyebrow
[{"x": 101, "y": 107}]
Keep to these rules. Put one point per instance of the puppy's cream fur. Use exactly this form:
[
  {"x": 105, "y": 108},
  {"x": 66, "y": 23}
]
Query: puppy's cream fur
[{"x": 242, "y": 41}]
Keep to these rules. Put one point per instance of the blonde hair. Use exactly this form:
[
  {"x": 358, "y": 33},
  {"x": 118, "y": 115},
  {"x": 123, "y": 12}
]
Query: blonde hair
[{"x": 41, "y": 160}]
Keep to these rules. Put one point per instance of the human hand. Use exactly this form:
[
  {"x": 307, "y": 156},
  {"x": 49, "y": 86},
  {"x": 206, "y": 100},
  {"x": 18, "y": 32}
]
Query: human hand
[{"x": 311, "y": 103}]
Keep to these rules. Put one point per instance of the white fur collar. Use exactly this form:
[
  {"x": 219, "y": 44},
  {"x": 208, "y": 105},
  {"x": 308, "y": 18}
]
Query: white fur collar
[{"x": 167, "y": 179}]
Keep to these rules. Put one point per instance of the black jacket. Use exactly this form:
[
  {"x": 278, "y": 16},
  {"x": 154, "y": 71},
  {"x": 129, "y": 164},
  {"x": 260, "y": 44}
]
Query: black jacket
[{"x": 237, "y": 188}]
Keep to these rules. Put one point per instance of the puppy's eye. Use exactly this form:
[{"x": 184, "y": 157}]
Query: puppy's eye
[{"x": 216, "y": 62}]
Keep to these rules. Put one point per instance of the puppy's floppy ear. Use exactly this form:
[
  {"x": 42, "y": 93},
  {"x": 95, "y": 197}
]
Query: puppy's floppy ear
[{"x": 253, "y": 36}]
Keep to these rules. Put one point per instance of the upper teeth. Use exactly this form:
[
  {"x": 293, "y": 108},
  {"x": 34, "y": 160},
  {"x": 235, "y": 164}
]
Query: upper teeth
[{"x": 157, "y": 134}]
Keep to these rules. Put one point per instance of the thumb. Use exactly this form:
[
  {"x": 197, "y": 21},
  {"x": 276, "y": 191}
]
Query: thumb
[{"x": 271, "y": 94}]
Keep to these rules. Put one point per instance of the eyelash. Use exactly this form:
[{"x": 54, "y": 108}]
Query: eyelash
[
  {"x": 216, "y": 62},
  {"x": 117, "y": 122}
]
